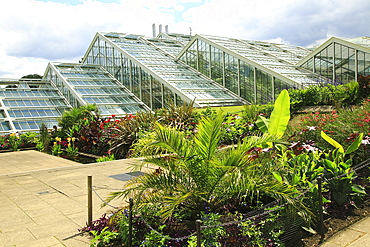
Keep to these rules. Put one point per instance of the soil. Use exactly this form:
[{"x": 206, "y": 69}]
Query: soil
[{"x": 333, "y": 224}]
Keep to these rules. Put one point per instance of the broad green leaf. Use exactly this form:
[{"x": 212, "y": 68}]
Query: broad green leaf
[
  {"x": 354, "y": 146},
  {"x": 277, "y": 176},
  {"x": 280, "y": 115},
  {"x": 309, "y": 229},
  {"x": 331, "y": 141},
  {"x": 262, "y": 123},
  {"x": 358, "y": 189},
  {"x": 330, "y": 165},
  {"x": 295, "y": 179},
  {"x": 324, "y": 200}
]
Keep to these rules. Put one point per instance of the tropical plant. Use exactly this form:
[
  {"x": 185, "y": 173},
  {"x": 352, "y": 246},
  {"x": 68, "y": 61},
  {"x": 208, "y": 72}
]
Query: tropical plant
[
  {"x": 56, "y": 149},
  {"x": 364, "y": 86},
  {"x": 14, "y": 141},
  {"x": 337, "y": 166},
  {"x": 104, "y": 158},
  {"x": 210, "y": 236},
  {"x": 195, "y": 172},
  {"x": 71, "y": 150},
  {"x": 183, "y": 116},
  {"x": 126, "y": 132},
  {"x": 103, "y": 237},
  {"x": 44, "y": 139},
  {"x": 234, "y": 129},
  {"x": 279, "y": 118},
  {"x": 250, "y": 113},
  {"x": 71, "y": 119},
  {"x": 29, "y": 139}
]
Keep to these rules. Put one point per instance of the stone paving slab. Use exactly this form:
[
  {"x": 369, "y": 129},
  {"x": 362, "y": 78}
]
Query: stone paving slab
[{"x": 44, "y": 201}]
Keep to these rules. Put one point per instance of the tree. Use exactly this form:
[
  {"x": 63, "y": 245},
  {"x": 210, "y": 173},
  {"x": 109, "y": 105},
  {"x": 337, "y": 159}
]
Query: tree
[{"x": 32, "y": 76}]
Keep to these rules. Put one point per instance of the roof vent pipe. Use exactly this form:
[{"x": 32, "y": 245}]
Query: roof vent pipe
[
  {"x": 166, "y": 28},
  {"x": 153, "y": 28},
  {"x": 160, "y": 28}
]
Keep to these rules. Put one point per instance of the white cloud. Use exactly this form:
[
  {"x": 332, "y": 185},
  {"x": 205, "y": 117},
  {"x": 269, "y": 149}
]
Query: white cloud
[
  {"x": 11, "y": 66},
  {"x": 190, "y": 1},
  {"x": 55, "y": 31},
  {"x": 297, "y": 22},
  {"x": 49, "y": 31}
]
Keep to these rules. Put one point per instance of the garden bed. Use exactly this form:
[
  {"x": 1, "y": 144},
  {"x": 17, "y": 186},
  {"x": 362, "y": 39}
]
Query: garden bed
[
  {"x": 334, "y": 224},
  {"x": 21, "y": 149}
]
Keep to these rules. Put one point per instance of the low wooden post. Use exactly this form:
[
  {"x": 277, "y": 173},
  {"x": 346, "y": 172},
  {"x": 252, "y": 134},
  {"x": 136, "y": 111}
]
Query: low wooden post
[
  {"x": 199, "y": 234},
  {"x": 130, "y": 222},
  {"x": 89, "y": 200},
  {"x": 321, "y": 213}
]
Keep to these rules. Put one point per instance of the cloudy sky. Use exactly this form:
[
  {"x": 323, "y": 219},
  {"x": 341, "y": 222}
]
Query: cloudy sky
[{"x": 35, "y": 32}]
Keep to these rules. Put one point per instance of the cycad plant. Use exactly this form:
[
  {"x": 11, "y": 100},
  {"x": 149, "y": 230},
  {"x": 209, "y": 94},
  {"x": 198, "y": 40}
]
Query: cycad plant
[{"x": 193, "y": 171}]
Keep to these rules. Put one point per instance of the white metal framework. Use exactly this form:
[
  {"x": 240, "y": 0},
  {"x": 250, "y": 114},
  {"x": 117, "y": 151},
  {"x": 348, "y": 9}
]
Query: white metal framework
[
  {"x": 85, "y": 84},
  {"x": 148, "y": 67},
  {"x": 340, "y": 60},
  {"x": 254, "y": 70},
  {"x": 125, "y": 74},
  {"x": 26, "y": 104}
]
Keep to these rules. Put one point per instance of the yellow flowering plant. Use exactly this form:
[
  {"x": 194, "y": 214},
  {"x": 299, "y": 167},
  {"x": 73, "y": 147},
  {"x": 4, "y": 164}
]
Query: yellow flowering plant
[
  {"x": 71, "y": 150},
  {"x": 56, "y": 149}
]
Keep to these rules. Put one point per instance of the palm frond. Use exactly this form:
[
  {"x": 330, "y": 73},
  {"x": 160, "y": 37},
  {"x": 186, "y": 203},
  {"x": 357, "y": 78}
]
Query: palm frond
[
  {"x": 171, "y": 140},
  {"x": 208, "y": 137}
]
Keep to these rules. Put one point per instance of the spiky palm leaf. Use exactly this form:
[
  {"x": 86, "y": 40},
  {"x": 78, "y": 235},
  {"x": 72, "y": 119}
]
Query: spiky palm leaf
[{"x": 194, "y": 171}]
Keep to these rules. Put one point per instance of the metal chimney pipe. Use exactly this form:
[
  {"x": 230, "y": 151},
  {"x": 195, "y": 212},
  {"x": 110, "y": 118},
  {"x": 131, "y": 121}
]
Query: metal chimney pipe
[
  {"x": 153, "y": 28},
  {"x": 160, "y": 28},
  {"x": 166, "y": 28}
]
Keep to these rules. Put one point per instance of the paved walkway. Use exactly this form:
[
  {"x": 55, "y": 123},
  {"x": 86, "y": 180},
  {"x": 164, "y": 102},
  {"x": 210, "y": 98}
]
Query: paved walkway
[
  {"x": 357, "y": 235},
  {"x": 44, "y": 201},
  {"x": 44, "y": 198}
]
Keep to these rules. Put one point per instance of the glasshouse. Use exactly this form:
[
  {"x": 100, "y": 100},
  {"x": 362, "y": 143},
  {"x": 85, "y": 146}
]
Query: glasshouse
[{"x": 125, "y": 74}]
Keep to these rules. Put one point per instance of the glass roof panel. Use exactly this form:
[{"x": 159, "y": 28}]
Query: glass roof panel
[
  {"x": 14, "y": 103},
  {"x": 109, "y": 100},
  {"x": 90, "y": 83},
  {"x": 4, "y": 126},
  {"x": 95, "y": 86},
  {"x": 29, "y": 103},
  {"x": 21, "y": 93},
  {"x": 279, "y": 58},
  {"x": 120, "y": 110},
  {"x": 35, "y": 113},
  {"x": 28, "y": 125},
  {"x": 194, "y": 86},
  {"x": 159, "y": 56}
]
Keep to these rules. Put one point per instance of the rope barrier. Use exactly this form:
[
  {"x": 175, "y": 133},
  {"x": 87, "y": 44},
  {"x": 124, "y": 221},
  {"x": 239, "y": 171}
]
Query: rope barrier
[
  {"x": 105, "y": 188},
  {"x": 104, "y": 202}
]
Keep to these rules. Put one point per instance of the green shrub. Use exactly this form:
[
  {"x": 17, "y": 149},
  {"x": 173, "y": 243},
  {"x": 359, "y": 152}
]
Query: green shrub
[{"x": 339, "y": 96}]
